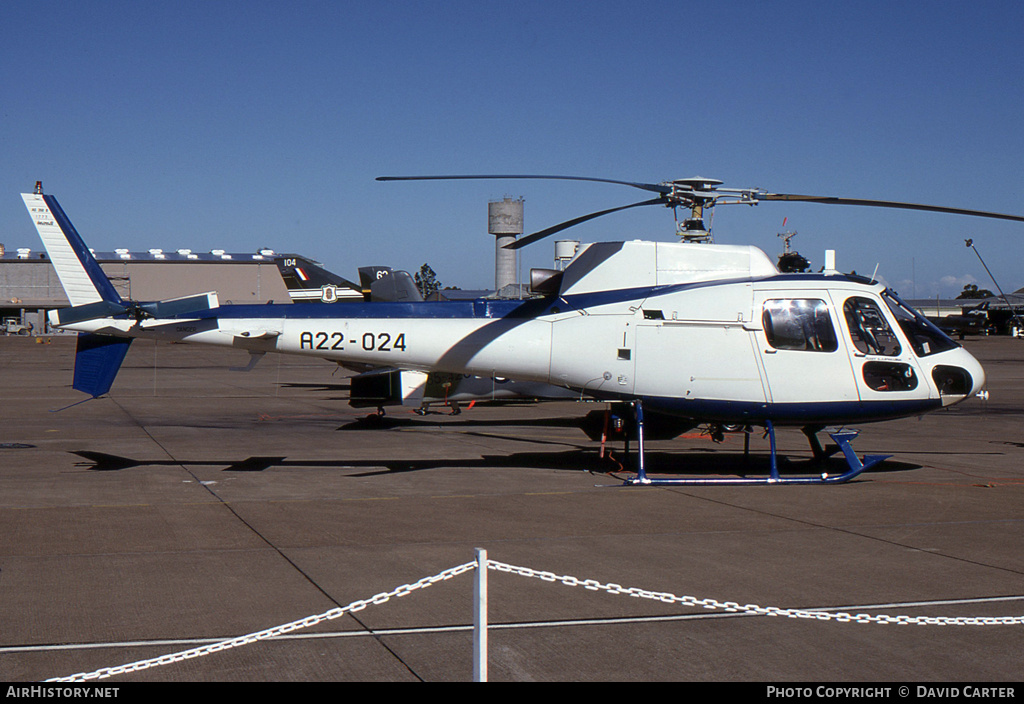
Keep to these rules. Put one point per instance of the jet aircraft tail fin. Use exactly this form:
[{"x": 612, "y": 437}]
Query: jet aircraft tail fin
[
  {"x": 308, "y": 282},
  {"x": 387, "y": 284}
]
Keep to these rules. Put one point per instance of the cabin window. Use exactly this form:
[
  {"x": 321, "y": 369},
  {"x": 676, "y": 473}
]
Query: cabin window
[
  {"x": 869, "y": 330},
  {"x": 799, "y": 324},
  {"x": 889, "y": 376}
]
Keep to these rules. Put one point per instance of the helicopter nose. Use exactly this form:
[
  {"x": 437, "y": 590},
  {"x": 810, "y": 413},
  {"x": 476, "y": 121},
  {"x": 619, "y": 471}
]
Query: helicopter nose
[{"x": 961, "y": 378}]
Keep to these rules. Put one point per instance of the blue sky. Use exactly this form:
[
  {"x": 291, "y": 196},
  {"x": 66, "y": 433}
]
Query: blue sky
[{"x": 241, "y": 125}]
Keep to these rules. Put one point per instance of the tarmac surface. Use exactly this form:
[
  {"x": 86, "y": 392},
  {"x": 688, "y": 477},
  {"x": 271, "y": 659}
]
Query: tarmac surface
[{"x": 196, "y": 504}]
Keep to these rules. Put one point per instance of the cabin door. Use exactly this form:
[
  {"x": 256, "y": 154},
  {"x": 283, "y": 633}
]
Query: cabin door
[{"x": 803, "y": 353}]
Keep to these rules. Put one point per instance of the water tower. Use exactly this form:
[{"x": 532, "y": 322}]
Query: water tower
[
  {"x": 505, "y": 222},
  {"x": 565, "y": 250}
]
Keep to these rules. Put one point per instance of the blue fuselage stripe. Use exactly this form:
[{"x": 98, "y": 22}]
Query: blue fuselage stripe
[
  {"x": 811, "y": 413},
  {"x": 794, "y": 414},
  {"x": 480, "y": 308}
]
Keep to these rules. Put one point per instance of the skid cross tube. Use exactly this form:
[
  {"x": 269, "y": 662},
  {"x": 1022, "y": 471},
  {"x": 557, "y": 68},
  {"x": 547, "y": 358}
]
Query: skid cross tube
[{"x": 842, "y": 439}]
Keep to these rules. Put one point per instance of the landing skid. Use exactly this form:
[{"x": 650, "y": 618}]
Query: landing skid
[{"x": 841, "y": 438}]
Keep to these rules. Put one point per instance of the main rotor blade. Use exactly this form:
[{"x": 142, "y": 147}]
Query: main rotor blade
[
  {"x": 530, "y": 239},
  {"x": 655, "y": 187},
  {"x": 882, "y": 204}
]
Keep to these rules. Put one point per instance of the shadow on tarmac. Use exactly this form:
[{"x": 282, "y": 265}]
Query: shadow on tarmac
[{"x": 695, "y": 463}]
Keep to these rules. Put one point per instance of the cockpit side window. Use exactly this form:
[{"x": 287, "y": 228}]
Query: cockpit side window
[
  {"x": 869, "y": 331},
  {"x": 799, "y": 324}
]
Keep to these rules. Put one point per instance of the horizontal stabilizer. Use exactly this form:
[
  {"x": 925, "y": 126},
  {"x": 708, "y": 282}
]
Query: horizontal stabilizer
[
  {"x": 157, "y": 309},
  {"x": 89, "y": 311},
  {"x": 97, "y": 361},
  {"x": 180, "y": 306}
]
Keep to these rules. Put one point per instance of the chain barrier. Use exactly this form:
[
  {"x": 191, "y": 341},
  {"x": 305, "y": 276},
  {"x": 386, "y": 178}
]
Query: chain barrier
[
  {"x": 381, "y": 598},
  {"x": 753, "y": 609},
  {"x": 589, "y": 584}
]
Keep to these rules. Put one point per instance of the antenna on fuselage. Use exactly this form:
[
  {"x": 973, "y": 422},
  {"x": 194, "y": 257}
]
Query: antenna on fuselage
[{"x": 791, "y": 261}]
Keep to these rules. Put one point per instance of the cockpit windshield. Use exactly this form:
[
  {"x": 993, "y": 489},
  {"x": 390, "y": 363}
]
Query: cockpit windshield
[{"x": 923, "y": 335}]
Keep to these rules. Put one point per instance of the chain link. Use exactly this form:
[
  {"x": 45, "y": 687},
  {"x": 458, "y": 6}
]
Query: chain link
[
  {"x": 754, "y": 609},
  {"x": 381, "y": 598},
  {"x": 568, "y": 580}
]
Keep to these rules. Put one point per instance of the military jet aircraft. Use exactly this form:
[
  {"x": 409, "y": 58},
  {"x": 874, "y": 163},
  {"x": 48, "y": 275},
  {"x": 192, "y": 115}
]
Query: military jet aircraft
[{"x": 973, "y": 320}]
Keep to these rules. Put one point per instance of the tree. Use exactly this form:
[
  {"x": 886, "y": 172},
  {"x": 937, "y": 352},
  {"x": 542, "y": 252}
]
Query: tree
[
  {"x": 972, "y": 291},
  {"x": 426, "y": 281}
]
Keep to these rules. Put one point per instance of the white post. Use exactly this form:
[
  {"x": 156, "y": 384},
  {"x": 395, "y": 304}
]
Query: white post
[
  {"x": 830, "y": 261},
  {"x": 480, "y": 618}
]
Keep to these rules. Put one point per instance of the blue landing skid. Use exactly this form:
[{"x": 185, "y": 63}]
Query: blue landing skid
[{"x": 842, "y": 439}]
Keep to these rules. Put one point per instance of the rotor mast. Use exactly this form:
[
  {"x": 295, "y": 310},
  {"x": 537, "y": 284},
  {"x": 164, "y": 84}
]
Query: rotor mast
[{"x": 694, "y": 193}]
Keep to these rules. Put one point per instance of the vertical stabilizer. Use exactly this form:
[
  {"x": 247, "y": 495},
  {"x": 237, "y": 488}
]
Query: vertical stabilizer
[
  {"x": 79, "y": 273},
  {"x": 97, "y": 357},
  {"x": 97, "y": 361},
  {"x": 309, "y": 283}
]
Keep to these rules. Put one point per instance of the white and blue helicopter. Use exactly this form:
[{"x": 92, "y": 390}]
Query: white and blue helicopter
[{"x": 685, "y": 333}]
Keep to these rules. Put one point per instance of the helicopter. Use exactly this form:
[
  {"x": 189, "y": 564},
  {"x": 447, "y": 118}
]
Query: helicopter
[{"x": 691, "y": 331}]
